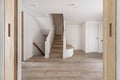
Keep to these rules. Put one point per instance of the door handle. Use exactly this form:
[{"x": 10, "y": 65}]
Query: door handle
[
  {"x": 9, "y": 29},
  {"x": 110, "y": 30}
]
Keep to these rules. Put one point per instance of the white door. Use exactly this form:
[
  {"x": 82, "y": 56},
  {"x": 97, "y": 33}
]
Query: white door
[
  {"x": 93, "y": 37},
  {"x": 100, "y": 38}
]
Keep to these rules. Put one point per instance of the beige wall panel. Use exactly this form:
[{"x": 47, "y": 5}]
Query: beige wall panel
[
  {"x": 109, "y": 39},
  {"x": 10, "y": 40}
]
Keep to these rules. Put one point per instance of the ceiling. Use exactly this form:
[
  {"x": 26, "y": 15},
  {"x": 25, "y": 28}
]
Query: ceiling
[{"x": 74, "y": 11}]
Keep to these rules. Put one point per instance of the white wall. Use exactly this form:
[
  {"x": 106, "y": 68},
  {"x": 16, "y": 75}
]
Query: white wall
[
  {"x": 19, "y": 41},
  {"x": 100, "y": 35},
  {"x": 32, "y": 33},
  {"x": 46, "y": 23},
  {"x": 58, "y": 22},
  {"x": 48, "y": 42},
  {"x": 1, "y": 39},
  {"x": 73, "y": 35},
  {"x": 118, "y": 40},
  {"x": 64, "y": 40},
  {"x": 58, "y": 29},
  {"x": 83, "y": 36}
]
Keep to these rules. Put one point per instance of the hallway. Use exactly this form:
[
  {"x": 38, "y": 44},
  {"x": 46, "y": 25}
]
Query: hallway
[{"x": 80, "y": 67}]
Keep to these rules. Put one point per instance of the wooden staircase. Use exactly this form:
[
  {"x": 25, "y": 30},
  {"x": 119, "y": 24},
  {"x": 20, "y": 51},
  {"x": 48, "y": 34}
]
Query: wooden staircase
[{"x": 57, "y": 47}]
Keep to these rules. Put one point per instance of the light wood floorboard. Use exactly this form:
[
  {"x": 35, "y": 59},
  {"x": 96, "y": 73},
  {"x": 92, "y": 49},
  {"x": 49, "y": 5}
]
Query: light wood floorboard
[{"x": 81, "y": 66}]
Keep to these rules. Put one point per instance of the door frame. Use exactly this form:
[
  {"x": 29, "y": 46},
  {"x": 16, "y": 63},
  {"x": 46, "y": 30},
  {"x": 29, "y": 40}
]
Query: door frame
[
  {"x": 109, "y": 51},
  {"x": 109, "y": 40},
  {"x": 10, "y": 39}
]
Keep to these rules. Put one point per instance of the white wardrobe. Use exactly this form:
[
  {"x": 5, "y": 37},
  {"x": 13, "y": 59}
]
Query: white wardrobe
[{"x": 92, "y": 36}]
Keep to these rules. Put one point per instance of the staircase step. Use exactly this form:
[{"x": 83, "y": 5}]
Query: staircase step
[
  {"x": 56, "y": 51},
  {"x": 58, "y": 40},
  {"x": 54, "y": 45},
  {"x": 59, "y": 43},
  {"x": 56, "y": 54},
  {"x": 57, "y": 47},
  {"x": 58, "y": 35},
  {"x": 53, "y": 57}
]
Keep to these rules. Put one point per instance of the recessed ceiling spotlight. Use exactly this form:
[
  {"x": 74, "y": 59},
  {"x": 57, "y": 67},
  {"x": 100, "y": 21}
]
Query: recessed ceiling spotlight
[
  {"x": 73, "y": 4},
  {"x": 36, "y": 5}
]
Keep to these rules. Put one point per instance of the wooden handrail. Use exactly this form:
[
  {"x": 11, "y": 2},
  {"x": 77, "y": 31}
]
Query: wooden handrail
[{"x": 39, "y": 49}]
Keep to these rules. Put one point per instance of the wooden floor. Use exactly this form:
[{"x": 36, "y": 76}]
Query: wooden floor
[{"x": 81, "y": 66}]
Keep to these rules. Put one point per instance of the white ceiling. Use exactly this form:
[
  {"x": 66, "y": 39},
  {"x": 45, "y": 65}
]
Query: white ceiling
[{"x": 75, "y": 11}]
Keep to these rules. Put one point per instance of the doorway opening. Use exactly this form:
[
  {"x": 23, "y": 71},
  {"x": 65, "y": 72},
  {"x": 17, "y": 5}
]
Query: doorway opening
[
  {"x": 75, "y": 60},
  {"x": 72, "y": 35}
]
